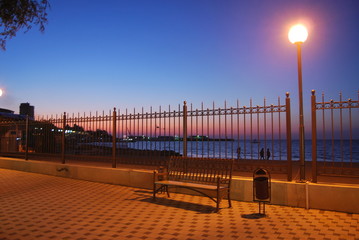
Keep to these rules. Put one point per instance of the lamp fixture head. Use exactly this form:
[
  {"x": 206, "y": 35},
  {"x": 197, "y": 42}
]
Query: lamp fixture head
[{"x": 298, "y": 34}]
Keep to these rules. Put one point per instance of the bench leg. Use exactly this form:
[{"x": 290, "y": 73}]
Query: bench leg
[
  {"x": 154, "y": 185},
  {"x": 218, "y": 200},
  {"x": 154, "y": 192},
  {"x": 166, "y": 189},
  {"x": 219, "y": 196},
  {"x": 161, "y": 188},
  {"x": 229, "y": 199}
]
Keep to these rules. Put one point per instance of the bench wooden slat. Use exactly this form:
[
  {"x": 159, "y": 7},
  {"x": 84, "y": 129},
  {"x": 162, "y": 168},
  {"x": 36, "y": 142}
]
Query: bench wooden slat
[{"x": 188, "y": 184}]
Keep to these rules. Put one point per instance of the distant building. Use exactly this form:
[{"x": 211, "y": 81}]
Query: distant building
[
  {"x": 10, "y": 134},
  {"x": 3, "y": 110},
  {"x": 6, "y": 114},
  {"x": 27, "y": 109}
]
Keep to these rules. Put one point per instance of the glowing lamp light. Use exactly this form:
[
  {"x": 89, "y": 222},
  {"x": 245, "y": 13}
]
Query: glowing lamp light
[{"x": 298, "y": 34}]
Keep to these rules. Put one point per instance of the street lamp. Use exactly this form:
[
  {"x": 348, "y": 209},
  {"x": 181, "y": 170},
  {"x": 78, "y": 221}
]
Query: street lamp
[{"x": 297, "y": 35}]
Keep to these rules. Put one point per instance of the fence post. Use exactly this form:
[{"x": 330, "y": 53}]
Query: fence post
[
  {"x": 185, "y": 129},
  {"x": 27, "y": 138},
  {"x": 63, "y": 138},
  {"x": 114, "y": 117},
  {"x": 314, "y": 138},
  {"x": 289, "y": 137}
]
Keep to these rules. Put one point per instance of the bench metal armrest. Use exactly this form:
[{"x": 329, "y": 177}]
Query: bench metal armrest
[
  {"x": 221, "y": 180},
  {"x": 156, "y": 174}
]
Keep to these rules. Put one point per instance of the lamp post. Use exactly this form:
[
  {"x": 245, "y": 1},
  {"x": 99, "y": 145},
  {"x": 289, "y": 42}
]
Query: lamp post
[{"x": 297, "y": 35}]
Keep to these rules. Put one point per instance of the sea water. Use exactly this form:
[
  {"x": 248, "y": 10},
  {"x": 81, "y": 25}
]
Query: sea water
[{"x": 327, "y": 150}]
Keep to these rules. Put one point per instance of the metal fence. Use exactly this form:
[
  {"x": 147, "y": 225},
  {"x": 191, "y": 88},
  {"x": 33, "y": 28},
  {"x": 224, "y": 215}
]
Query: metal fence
[
  {"x": 253, "y": 135},
  {"x": 337, "y": 147}
]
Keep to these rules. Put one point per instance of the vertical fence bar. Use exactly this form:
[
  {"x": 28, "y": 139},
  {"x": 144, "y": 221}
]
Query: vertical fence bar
[
  {"x": 161, "y": 142},
  {"x": 63, "y": 138},
  {"x": 324, "y": 132},
  {"x": 202, "y": 122},
  {"x": 258, "y": 137},
  {"x": 155, "y": 137},
  {"x": 341, "y": 129},
  {"x": 350, "y": 133},
  {"x": 120, "y": 125},
  {"x": 27, "y": 138},
  {"x": 179, "y": 128},
  {"x": 238, "y": 136},
  {"x": 314, "y": 138},
  {"x": 289, "y": 137},
  {"x": 219, "y": 133},
  {"x": 265, "y": 128},
  {"x": 251, "y": 126},
  {"x": 170, "y": 139},
  {"x": 114, "y": 130},
  {"x": 142, "y": 129},
  {"x": 138, "y": 129},
  {"x": 244, "y": 134},
  {"x": 225, "y": 129},
  {"x": 184, "y": 129},
  {"x": 148, "y": 132},
  {"x": 151, "y": 129},
  {"x": 197, "y": 132},
  {"x": 272, "y": 130},
  {"x": 213, "y": 129},
  {"x": 232, "y": 136},
  {"x": 332, "y": 128},
  {"x": 191, "y": 132},
  {"x": 279, "y": 132},
  {"x": 208, "y": 131}
]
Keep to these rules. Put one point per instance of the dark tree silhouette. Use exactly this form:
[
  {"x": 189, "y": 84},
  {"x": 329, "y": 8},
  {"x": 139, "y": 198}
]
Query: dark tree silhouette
[{"x": 18, "y": 14}]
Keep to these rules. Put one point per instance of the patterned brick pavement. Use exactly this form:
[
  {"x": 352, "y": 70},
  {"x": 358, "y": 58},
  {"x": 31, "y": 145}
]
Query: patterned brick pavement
[{"x": 35, "y": 206}]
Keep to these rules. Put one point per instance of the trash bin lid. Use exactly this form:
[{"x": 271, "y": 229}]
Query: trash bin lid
[
  {"x": 260, "y": 171},
  {"x": 260, "y": 179}
]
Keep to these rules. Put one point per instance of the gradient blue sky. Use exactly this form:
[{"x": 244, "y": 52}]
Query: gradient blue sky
[{"x": 96, "y": 55}]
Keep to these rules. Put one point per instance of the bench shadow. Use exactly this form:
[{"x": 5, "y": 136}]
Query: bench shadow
[
  {"x": 253, "y": 216},
  {"x": 143, "y": 191},
  {"x": 195, "y": 207}
]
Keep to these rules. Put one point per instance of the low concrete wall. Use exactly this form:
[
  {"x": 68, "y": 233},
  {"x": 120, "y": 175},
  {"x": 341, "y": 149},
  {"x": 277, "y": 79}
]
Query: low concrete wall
[
  {"x": 126, "y": 177},
  {"x": 343, "y": 198}
]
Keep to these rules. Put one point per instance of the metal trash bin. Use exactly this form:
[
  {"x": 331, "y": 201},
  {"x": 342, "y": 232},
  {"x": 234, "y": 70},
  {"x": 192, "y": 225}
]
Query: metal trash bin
[{"x": 261, "y": 187}]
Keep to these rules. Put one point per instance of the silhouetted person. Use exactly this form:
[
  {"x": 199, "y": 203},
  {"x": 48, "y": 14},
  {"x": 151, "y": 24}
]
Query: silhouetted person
[
  {"x": 268, "y": 154},
  {"x": 262, "y": 153},
  {"x": 239, "y": 153}
]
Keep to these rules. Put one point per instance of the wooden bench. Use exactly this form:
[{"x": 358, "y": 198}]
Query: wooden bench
[{"x": 199, "y": 174}]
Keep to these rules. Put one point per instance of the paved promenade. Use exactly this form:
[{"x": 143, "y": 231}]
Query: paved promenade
[{"x": 35, "y": 206}]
